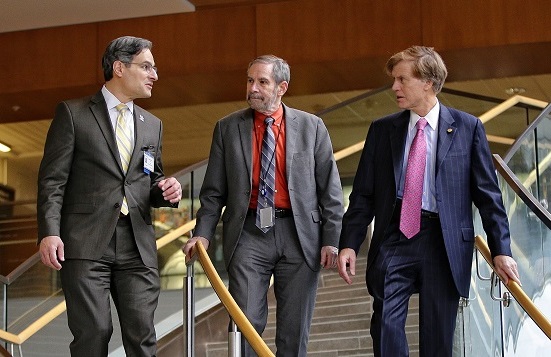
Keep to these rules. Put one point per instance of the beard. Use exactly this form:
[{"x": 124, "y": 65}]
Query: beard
[{"x": 266, "y": 105}]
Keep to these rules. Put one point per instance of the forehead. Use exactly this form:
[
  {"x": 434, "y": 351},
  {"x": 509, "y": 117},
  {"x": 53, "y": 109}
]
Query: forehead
[
  {"x": 260, "y": 70},
  {"x": 403, "y": 68}
]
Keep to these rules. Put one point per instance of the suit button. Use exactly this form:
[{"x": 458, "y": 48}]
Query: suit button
[
  {"x": 127, "y": 183},
  {"x": 247, "y": 192},
  {"x": 117, "y": 205}
]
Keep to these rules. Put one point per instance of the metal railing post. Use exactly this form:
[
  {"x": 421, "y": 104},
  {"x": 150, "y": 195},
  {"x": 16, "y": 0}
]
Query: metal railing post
[
  {"x": 189, "y": 309},
  {"x": 234, "y": 341},
  {"x": 5, "y": 312}
]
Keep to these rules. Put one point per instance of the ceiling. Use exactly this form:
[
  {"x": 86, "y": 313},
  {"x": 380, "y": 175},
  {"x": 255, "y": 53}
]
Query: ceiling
[{"x": 188, "y": 129}]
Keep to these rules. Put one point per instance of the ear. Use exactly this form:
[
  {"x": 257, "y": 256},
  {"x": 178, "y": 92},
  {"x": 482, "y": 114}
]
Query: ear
[
  {"x": 428, "y": 84},
  {"x": 282, "y": 88},
  {"x": 118, "y": 68}
]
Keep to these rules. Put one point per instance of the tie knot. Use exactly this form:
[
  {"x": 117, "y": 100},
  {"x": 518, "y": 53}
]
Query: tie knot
[
  {"x": 269, "y": 120},
  {"x": 121, "y": 108},
  {"x": 421, "y": 123}
]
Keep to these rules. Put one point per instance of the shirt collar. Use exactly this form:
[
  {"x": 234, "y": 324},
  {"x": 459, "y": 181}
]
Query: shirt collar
[
  {"x": 112, "y": 101},
  {"x": 277, "y": 115},
  {"x": 431, "y": 117}
]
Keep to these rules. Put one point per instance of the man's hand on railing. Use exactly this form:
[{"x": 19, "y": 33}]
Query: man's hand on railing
[
  {"x": 506, "y": 268},
  {"x": 52, "y": 251},
  {"x": 189, "y": 247}
]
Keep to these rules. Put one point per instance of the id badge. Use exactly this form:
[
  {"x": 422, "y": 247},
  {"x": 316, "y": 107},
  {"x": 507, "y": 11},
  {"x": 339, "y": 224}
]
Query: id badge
[
  {"x": 266, "y": 217},
  {"x": 148, "y": 161}
]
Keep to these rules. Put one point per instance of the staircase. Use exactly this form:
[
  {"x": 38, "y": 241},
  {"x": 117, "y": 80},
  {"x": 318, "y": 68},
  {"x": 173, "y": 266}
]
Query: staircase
[{"x": 340, "y": 326}]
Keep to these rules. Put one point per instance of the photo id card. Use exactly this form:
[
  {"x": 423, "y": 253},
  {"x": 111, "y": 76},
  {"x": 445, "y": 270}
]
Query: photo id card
[
  {"x": 266, "y": 217},
  {"x": 147, "y": 162}
]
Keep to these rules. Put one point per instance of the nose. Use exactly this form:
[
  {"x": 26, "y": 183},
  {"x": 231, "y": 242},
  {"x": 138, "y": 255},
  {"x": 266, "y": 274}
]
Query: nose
[
  {"x": 395, "y": 85},
  {"x": 253, "y": 87},
  {"x": 154, "y": 76}
]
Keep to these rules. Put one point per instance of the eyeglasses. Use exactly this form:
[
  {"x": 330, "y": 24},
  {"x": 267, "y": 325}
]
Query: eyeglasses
[{"x": 145, "y": 66}]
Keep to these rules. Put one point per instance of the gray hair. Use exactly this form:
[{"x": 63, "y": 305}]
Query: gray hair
[
  {"x": 280, "y": 70},
  {"x": 122, "y": 49}
]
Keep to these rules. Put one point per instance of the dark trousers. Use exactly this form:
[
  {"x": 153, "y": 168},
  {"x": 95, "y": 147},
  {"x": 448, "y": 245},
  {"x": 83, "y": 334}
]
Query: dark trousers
[
  {"x": 134, "y": 288},
  {"x": 401, "y": 268},
  {"x": 258, "y": 256}
]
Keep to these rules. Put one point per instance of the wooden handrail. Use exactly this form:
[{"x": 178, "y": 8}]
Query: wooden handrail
[
  {"x": 4, "y": 352},
  {"x": 256, "y": 342},
  {"x": 517, "y": 292},
  {"x": 176, "y": 233},
  {"x": 509, "y": 103}
]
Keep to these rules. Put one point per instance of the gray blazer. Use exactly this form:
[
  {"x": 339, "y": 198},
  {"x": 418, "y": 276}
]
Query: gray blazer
[
  {"x": 312, "y": 177},
  {"x": 81, "y": 182}
]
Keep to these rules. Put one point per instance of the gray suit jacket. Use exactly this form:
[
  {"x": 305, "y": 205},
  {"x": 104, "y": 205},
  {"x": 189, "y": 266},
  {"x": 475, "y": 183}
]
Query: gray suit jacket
[
  {"x": 81, "y": 182},
  {"x": 312, "y": 177}
]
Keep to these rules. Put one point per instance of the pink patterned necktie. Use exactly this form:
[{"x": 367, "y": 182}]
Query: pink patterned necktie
[{"x": 410, "y": 216}]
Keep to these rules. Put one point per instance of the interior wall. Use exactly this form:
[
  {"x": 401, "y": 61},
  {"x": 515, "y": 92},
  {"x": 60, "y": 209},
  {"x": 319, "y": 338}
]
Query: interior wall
[{"x": 333, "y": 46}]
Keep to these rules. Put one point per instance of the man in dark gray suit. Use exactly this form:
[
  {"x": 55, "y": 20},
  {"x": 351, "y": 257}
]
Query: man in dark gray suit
[
  {"x": 295, "y": 237},
  {"x": 435, "y": 259},
  {"x": 100, "y": 175}
]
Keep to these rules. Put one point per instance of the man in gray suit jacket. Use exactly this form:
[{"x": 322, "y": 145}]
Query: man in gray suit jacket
[
  {"x": 436, "y": 260},
  {"x": 94, "y": 203},
  {"x": 300, "y": 233}
]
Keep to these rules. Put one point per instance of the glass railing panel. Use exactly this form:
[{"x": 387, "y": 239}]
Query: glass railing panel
[
  {"x": 509, "y": 331},
  {"x": 529, "y": 236},
  {"x": 35, "y": 292},
  {"x": 172, "y": 267},
  {"x": 530, "y": 161}
]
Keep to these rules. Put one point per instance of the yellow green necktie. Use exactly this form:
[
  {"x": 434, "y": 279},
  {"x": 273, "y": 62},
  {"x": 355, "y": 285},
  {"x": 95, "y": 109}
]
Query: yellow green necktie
[{"x": 124, "y": 143}]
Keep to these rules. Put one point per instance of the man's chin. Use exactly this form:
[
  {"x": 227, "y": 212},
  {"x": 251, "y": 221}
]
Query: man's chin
[{"x": 255, "y": 105}]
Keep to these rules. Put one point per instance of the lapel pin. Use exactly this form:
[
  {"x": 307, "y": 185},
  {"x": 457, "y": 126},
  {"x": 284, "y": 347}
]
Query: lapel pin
[
  {"x": 141, "y": 118},
  {"x": 449, "y": 130}
]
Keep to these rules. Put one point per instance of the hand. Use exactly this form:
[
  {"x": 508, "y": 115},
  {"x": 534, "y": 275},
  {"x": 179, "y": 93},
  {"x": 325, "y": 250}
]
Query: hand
[
  {"x": 189, "y": 247},
  {"x": 506, "y": 268},
  {"x": 347, "y": 258},
  {"x": 52, "y": 252},
  {"x": 172, "y": 190},
  {"x": 329, "y": 256}
]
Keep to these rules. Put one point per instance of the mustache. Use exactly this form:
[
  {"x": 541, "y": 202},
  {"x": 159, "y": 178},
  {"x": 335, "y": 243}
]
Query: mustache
[{"x": 254, "y": 96}]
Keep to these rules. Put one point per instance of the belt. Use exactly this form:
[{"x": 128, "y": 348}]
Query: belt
[
  {"x": 279, "y": 212},
  {"x": 428, "y": 214},
  {"x": 424, "y": 213}
]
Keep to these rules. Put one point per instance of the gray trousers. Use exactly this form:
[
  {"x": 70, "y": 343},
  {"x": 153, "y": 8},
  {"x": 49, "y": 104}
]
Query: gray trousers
[
  {"x": 134, "y": 288},
  {"x": 259, "y": 255}
]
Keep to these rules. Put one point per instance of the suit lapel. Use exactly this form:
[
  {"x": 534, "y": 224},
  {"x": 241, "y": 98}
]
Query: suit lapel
[
  {"x": 139, "y": 134},
  {"x": 397, "y": 143},
  {"x": 447, "y": 129},
  {"x": 101, "y": 114},
  {"x": 291, "y": 130},
  {"x": 245, "y": 127}
]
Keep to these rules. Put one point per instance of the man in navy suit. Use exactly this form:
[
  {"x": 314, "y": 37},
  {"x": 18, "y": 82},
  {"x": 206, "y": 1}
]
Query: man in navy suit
[
  {"x": 436, "y": 261},
  {"x": 93, "y": 209}
]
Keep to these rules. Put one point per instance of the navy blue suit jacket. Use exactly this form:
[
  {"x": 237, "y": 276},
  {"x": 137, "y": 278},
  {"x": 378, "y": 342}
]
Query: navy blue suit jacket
[{"x": 465, "y": 174}]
